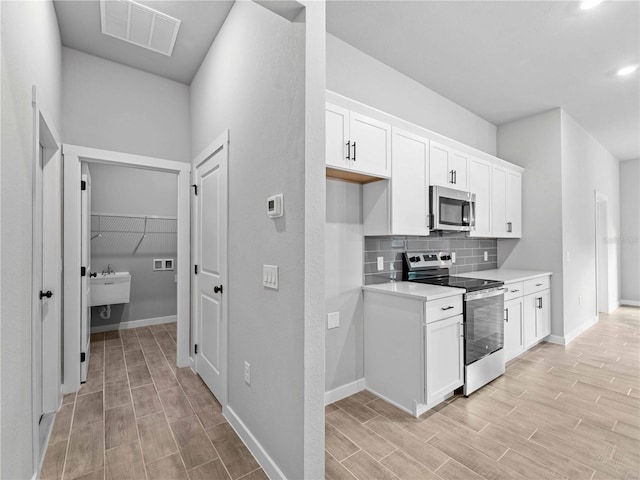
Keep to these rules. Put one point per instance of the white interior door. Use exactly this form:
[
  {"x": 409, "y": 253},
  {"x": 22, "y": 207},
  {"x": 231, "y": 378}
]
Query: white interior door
[
  {"x": 210, "y": 280},
  {"x": 39, "y": 299},
  {"x": 85, "y": 296}
]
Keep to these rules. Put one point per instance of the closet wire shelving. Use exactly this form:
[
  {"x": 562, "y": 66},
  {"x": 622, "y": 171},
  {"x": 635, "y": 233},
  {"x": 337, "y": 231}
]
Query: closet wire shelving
[{"x": 133, "y": 234}]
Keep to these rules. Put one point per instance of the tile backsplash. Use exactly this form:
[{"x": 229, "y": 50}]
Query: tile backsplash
[{"x": 469, "y": 253}]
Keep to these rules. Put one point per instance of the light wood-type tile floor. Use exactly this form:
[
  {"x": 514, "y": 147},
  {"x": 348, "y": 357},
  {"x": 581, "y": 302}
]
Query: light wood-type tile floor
[
  {"x": 140, "y": 417},
  {"x": 559, "y": 412}
]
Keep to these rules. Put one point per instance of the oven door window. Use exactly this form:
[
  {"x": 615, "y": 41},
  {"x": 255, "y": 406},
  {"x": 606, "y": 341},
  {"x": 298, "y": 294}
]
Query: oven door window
[
  {"x": 454, "y": 212},
  {"x": 484, "y": 327}
]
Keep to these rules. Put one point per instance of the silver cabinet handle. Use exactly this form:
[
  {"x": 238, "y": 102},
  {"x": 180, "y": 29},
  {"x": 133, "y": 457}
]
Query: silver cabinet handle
[
  {"x": 506, "y": 315},
  {"x": 447, "y": 308},
  {"x": 509, "y": 227},
  {"x": 538, "y": 284},
  {"x": 514, "y": 291},
  {"x": 348, "y": 150}
]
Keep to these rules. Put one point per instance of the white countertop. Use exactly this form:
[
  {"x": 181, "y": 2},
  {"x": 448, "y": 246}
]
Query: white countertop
[
  {"x": 415, "y": 291},
  {"x": 505, "y": 275}
]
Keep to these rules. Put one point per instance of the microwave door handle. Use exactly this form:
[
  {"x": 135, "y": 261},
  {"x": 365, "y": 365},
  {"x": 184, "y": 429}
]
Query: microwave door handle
[{"x": 472, "y": 223}]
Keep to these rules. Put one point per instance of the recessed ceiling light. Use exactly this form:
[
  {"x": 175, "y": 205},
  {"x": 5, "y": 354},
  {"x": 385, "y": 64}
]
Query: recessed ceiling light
[
  {"x": 139, "y": 24},
  {"x": 589, "y": 4},
  {"x": 629, "y": 69}
]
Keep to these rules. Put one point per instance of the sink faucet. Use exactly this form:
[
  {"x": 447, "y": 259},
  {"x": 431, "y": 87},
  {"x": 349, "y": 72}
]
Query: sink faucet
[{"x": 109, "y": 270}]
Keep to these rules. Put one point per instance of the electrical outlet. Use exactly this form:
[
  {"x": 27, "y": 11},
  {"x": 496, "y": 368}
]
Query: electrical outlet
[
  {"x": 247, "y": 373},
  {"x": 333, "y": 320},
  {"x": 486, "y": 256},
  {"x": 580, "y": 300},
  {"x": 453, "y": 257},
  {"x": 380, "y": 263}
]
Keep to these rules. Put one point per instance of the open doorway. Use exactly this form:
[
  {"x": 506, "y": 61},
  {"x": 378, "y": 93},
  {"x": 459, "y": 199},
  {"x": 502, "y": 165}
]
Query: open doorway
[
  {"x": 126, "y": 230},
  {"x": 602, "y": 253}
]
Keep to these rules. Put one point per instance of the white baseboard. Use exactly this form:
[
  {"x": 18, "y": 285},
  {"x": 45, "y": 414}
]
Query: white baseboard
[
  {"x": 145, "y": 322},
  {"x": 266, "y": 462},
  {"x": 630, "y": 303},
  {"x": 344, "y": 391},
  {"x": 572, "y": 335},
  {"x": 613, "y": 306}
]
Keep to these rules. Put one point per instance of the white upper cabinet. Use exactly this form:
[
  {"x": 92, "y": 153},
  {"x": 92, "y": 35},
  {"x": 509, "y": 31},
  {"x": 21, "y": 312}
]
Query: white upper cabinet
[
  {"x": 400, "y": 206},
  {"x": 448, "y": 167},
  {"x": 480, "y": 184},
  {"x": 506, "y": 207},
  {"x": 357, "y": 142},
  {"x": 409, "y": 184},
  {"x": 337, "y": 136}
]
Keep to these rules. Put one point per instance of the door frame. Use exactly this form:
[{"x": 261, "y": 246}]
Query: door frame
[
  {"x": 221, "y": 142},
  {"x": 601, "y": 201},
  {"x": 45, "y": 383},
  {"x": 73, "y": 155}
]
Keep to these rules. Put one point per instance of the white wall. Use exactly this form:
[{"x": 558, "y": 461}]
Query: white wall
[
  {"x": 586, "y": 167},
  {"x": 356, "y": 75},
  {"x": 535, "y": 144},
  {"x": 30, "y": 56},
  {"x": 134, "y": 191},
  {"x": 343, "y": 283},
  {"x": 252, "y": 82},
  {"x": 630, "y": 232},
  {"x": 114, "y": 107}
]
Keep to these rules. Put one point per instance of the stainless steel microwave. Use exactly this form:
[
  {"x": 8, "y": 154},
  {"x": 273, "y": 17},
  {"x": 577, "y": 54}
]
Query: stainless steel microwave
[{"x": 451, "y": 209}]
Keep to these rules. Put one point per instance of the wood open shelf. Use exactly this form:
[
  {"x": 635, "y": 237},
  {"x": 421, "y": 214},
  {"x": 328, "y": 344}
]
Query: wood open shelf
[{"x": 349, "y": 176}]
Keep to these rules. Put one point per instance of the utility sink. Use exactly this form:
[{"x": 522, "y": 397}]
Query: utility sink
[{"x": 110, "y": 288}]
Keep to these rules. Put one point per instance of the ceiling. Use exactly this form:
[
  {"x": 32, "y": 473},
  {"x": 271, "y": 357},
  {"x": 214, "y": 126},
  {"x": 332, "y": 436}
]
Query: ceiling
[
  {"x": 80, "y": 29},
  {"x": 505, "y": 60},
  {"x": 502, "y": 60}
]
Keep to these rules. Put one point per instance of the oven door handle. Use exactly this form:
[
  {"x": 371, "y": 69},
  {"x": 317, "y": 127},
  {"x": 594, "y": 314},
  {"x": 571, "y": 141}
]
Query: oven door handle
[{"x": 494, "y": 292}]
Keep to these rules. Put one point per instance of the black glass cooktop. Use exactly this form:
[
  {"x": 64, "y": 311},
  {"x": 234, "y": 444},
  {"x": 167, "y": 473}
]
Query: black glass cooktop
[{"x": 470, "y": 284}]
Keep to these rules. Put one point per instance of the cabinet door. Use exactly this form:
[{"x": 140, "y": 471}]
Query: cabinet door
[
  {"x": 499, "y": 202},
  {"x": 514, "y": 204},
  {"x": 480, "y": 184},
  {"x": 513, "y": 341},
  {"x": 543, "y": 314},
  {"x": 529, "y": 320},
  {"x": 444, "y": 357},
  {"x": 337, "y": 136},
  {"x": 370, "y": 145},
  {"x": 439, "y": 172},
  {"x": 409, "y": 184},
  {"x": 459, "y": 163}
]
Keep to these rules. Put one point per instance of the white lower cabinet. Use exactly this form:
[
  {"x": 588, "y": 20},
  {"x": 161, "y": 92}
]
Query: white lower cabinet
[
  {"x": 413, "y": 350},
  {"x": 513, "y": 329},
  {"x": 527, "y": 315},
  {"x": 445, "y": 358}
]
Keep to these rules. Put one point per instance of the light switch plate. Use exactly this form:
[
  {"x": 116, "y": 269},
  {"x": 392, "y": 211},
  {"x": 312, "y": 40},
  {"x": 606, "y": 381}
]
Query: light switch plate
[
  {"x": 380, "y": 263},
  {"x": 453, "y": 257},
  {"x": 270, "y": 276},
  {"x": 333, "y": 320}
]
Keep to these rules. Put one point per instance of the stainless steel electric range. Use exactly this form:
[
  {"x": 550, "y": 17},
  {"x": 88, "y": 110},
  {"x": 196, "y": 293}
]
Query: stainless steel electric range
[{"x": 483, "y": 314}]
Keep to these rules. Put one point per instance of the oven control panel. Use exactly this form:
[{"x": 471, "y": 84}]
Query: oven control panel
[{"x": 421, "y": 260}]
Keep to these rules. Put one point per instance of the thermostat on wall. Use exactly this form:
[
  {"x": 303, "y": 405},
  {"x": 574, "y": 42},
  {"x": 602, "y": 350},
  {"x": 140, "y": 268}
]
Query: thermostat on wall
[{"x": 275, "y": 206}]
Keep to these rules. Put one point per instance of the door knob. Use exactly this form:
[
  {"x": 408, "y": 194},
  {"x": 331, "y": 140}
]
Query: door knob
[
  {"x": 217, "y": 289},
  {"x": 94, "y": 274},
  {"x": 47, "y": 294}
]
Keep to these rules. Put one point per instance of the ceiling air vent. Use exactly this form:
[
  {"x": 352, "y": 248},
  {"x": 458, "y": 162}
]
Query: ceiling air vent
[{"x": 140, "y": 25}]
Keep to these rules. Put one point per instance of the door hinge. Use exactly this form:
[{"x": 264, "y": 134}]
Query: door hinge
[
  {"x": 195, "y": 189},
  {"x": 196, "y": 348},
  {"x": 83, "y": 185},
  {"x": 83, "y": 271},
  {"x": 83, "y": 357},
  {"x": 195, "y": 269}
]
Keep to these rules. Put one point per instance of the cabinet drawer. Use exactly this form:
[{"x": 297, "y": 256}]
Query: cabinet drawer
[
  {"x": 536, "y": 284},
  {"x": 443, "y": 308},
  {"x": 513, "y": 290}
]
